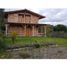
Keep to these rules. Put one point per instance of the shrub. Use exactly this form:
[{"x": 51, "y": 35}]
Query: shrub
[
  {"x": 13, "y": 37},
  {"x": 36, "y": 45},
  {"x": 3, "y": 45}
]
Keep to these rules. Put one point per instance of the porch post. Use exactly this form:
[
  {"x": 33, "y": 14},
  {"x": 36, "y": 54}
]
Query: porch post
[
  {"x": 33, "y": 31},
  {"x": 45, "y": 32},
  {"x": 6, "y": 27},
  {"x": 25, "y": 30}
]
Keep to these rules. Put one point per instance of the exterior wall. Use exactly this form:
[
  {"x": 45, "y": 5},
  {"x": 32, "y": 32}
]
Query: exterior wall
[
  {"x": 27, "y": 19},
  {"x": 35, "y": 31},
  {"x": 20, "y": 19},
  {"x": 16, "y": 18},
  {"x": 18, "y": 30},
  {"x": 34, "y": 19},
  {"x": 12, "y": 18},
  {"x": 21, "y": 30}
]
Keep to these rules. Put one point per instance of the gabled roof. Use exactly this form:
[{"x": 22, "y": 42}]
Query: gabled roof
[{"x": 25, "y": 10}]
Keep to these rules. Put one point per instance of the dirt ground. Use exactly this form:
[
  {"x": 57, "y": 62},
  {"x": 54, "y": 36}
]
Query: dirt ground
[{"x": 39, "y": 53}]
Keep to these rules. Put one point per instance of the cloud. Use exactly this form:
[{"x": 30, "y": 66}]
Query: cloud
[{"x": 54, "y": 16}]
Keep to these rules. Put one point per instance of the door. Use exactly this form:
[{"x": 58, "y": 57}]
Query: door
[{"x": 29, "y": 31}]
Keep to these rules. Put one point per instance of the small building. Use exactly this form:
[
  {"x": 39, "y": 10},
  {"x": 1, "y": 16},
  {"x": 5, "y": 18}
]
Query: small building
[{"x": 24, "y": 23}]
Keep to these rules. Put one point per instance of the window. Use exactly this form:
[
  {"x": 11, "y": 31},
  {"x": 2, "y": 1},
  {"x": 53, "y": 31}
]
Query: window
[
  {"x": 27, "y": 18},
  {"x": 41, "y": 29}
]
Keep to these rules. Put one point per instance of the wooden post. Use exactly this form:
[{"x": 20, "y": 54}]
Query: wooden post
[
  {"x": 33, "y": 31},
  {"x": 45, "y": 31},
  {"x": 25, "y": 30},
  {"x": 6, "y": 25},
  {"x": 24, "y": 17},
  {"x": 31, "y": 18}
]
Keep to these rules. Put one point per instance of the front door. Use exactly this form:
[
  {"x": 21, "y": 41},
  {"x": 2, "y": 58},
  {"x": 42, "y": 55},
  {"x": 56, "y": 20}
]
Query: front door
[{"x": 28, "y": 30}]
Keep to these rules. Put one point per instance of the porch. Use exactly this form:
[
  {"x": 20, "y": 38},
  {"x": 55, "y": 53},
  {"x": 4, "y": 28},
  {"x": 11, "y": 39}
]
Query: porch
[{"x": 24, "y": 29}]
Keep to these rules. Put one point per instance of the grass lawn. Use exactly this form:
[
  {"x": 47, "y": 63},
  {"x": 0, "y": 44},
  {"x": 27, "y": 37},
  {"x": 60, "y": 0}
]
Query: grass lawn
[
  {"x": 35, "y": 52},
  {"x": 29, "y": 40}
]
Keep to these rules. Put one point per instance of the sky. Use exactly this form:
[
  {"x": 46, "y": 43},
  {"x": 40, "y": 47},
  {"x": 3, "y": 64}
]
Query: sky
[{"x": 54, "y": 16}]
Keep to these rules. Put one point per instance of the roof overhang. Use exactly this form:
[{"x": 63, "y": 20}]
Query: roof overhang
[{"x": 25, "y": 23}]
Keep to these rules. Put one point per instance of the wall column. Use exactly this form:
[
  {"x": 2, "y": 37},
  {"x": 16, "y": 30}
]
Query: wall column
[
  {"x": 33, "y": 31},
  {"x": 24, "y": 30},
  {"x": 24, "y": 17},
  {"x": 45, "y": 32},
  {"x": 6, "y": 27},
  {"x": 31, "y": 18}
]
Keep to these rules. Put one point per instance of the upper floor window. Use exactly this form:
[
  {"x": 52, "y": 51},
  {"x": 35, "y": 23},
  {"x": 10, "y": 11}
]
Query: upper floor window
[
  {"x": 21, "y": 18},
  {"x": 27, "y": 18}
]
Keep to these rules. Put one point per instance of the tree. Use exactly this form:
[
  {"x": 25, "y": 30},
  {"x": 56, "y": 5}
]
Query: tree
[
  {"x": 2, "y": 24},
  {"x": 3, "y": 45},
  {"x": 60, "y": 27}
]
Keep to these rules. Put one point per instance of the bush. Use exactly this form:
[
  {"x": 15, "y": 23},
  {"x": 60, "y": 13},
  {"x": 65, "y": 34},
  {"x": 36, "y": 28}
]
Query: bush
[
  {"x": 13, "y": 37},
  {"x": 36, "y": 45},
  {"x": 3, "y": 45}
]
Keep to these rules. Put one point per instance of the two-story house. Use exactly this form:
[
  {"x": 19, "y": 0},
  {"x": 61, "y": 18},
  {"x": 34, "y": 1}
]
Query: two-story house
[{"x": 24, "y": 23}]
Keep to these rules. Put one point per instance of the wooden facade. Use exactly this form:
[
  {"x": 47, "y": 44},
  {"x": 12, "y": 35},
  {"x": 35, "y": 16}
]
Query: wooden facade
[{"x": 24, "y": 23}]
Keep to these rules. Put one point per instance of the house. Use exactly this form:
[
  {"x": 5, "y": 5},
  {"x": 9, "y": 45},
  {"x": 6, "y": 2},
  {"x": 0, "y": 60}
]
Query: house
[{"x": 24, "y": 23}]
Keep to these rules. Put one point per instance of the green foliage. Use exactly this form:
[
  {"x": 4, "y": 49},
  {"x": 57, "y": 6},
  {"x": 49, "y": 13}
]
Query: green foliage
[
  {"x": 2, "y": 24},
  {"x": 29, "y": 40},
  {"x": 13, "y": 36},
  {"x": 49, "y": 29},
  {"x": 60, "y": 28},
  {"x": 37, "y": 45},
  {"x": 57, "y": 31},
  {"x": 3, "y": 45}
]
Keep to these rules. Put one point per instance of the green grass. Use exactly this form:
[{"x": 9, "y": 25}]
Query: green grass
[{"x": 30, "y": 40}]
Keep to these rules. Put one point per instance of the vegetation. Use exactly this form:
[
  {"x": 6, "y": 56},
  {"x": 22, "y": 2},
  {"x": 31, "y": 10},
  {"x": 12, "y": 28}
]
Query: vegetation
[
  {"x": 2, "y": 24},
  {"x": 57, "y": 31},
  {"x": 60, "y": 28},
  {"x": 30, "y": 40},
  {"x": 3, "y": 45},
  {"x": 13, "y": 36}
]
